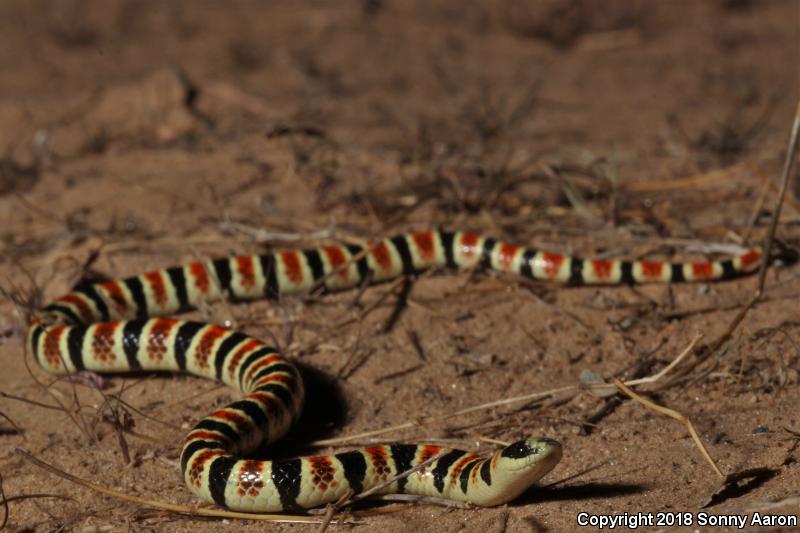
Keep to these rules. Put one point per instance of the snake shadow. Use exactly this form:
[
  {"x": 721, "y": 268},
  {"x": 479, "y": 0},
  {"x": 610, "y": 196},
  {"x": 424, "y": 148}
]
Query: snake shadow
[
  {"x": 584, "y": 491},
  {"x": 325, "y": 411}
]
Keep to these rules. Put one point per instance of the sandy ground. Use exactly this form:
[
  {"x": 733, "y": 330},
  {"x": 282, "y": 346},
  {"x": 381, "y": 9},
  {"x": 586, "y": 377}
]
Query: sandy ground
[{"x": 138, "y": 135}]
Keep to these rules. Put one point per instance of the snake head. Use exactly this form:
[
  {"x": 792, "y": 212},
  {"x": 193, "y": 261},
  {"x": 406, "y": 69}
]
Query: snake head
[
  {"x": 531, "y": 454},
  {"x": 519, "y": 465}
]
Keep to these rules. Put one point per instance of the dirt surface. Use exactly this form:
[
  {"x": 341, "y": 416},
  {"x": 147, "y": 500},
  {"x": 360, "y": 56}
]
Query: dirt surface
[{"x": 138, "y": 135}]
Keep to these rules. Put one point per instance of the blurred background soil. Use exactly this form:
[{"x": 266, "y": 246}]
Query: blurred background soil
[{"x": 136, "y": 135}]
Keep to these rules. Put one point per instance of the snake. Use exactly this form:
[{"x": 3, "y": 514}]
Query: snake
[{"x": 126, "y": 326}]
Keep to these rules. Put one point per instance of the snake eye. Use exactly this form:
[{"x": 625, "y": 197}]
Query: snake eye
[{"x": 518, "y": 450}]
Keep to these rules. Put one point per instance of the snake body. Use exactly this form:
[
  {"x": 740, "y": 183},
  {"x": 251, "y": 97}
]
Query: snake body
[{"x": 119, "y": 326}]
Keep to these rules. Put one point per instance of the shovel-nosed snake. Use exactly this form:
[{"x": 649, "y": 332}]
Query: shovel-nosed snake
[{"x": 119, "y": 326}]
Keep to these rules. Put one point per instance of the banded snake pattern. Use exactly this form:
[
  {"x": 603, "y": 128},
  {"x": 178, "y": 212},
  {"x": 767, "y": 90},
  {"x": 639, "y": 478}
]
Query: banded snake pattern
[{"x": 120, "y": 326}]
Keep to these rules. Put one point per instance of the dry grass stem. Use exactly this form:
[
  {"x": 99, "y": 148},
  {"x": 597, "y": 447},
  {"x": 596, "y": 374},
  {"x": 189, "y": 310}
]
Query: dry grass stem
[
  {"x": 709, "y": 179},
  {"x": 503, "y": 402},
  {"x": 791, "y": 150},
  {"x": 73, "y": 414},
  {"x": 181, "y": 509},
  {"x": 497, "y": 442},
  {"x": 326, "y": 520},
  {"x": 683, "y": 419},
  {"x": 578, "y": 474},
  {"x": 262, "y": 235},
  {"x": 8, "y": 419},
  {"x": 402, "y": 475},
  {"x": 414, "y": 498},
  {"x": 794, "y": 138},
  {"x": 5, "y": 504},
  {"x": 667, "y": 369}
]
